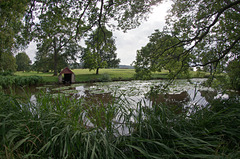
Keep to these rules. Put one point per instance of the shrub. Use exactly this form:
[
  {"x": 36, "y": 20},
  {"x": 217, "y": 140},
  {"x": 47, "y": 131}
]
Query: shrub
[
  {"x": 233, "y": 71},
  {"x": 8, "y": 81},
  {"x": 6, "y": 73}
]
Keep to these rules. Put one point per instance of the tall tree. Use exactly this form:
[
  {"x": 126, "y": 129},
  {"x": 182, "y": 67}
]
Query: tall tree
[
  {"x": 100, "y": 51},
  {"x": 54, "y": 35},
  {"x": 44, "y": 63},
  {"x": 11, "y": 13},
  {"x": 209, "y": 30},
  {"x": 156, "y": 56},
  {"x": 23, "y": 62},
  {"x": 52, "y": 20},
  {"x": 8, "y": 62}
]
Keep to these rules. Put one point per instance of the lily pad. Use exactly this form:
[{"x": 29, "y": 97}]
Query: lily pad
[
  {"x": 41, "y": 87},
  {"x": 69, "y": 91},
  {"x": 61, "y": 88}
]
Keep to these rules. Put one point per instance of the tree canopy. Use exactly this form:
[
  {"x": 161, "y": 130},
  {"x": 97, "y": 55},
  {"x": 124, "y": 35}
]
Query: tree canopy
[
  {"x": 203, "y": 34},
  {"x": 65, "y": 21},
  {"x": 11, "y": 30},
  {"x": 89, "y": 14},
  {"x": 61, "y": 24},
  {"x": 8, "y": 62},
  {"x": 100, "y": 51},
  {"x": 54, "y": 37},
  {"x": 154, "y": 56},
  {"x": 208, "y": 30},
  {"x": 233, "y": 71},
  {"x": 23, "y": 62}
]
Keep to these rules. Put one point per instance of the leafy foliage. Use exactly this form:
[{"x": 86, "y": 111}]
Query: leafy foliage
[
  {"x": 23, "y": 62},
  {"x": 209, "y": 31},
  {"x": 100, "y": 51},
  {"x": 8, "y": 62},
  {"x": 12, "y": 12},
  {"x": 8, "y": 81},
  {"x": 233, "y": 71},
  {"x": 54, "y": 36},
  {"x": 57, "y": 26},
  {"x": 156, "y": 56},
  {"x": 6, "y": 73}
]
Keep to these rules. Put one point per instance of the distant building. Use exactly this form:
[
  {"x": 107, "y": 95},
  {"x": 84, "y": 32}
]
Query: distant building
[{"x": 66, "y": 76}]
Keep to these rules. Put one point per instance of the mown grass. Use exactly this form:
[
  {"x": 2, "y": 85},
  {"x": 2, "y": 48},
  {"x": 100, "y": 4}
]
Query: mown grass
[
  {"x": 84, "y": 75},
  {"x": 47, "y": 77},
  {"x": 58, "y": 128}
]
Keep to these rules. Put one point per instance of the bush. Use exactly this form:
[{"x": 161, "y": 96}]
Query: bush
[
  {"x": 6, "y": 73},
  {"x": 8, "y": 81},
  {"x": 233, "y": 71}
]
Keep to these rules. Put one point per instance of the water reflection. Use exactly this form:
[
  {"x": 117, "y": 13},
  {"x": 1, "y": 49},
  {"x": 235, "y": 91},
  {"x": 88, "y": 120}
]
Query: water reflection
[
  {"x": 182, "y": 93},
  {"x": 99, "y": 108},
  {"x": 208, "y": 95},
  {"x": 175, "y": 102}
]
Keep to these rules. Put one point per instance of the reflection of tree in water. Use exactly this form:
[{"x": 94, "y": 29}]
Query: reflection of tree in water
[
  {"x": 98, "y": 99},
  {"x": 99, "y": 108},
  {"x": 176, "y": 102},
  {"x": 208, "y": 95}
]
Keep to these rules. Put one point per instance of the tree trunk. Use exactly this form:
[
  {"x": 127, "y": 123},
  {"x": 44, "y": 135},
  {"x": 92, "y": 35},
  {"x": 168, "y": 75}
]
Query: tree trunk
[
  {"x": 55, "y": 60},
  {"x": 97, "y": 71},
  {"x": 55, "y": 65},
  {"x": 211, "y": 69}
]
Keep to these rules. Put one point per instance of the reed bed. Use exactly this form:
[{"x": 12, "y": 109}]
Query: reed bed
[{"x": 74, "y": 128}]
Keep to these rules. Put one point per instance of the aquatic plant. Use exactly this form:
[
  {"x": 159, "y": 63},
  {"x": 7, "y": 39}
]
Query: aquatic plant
[{"x": 65, "y": 127}]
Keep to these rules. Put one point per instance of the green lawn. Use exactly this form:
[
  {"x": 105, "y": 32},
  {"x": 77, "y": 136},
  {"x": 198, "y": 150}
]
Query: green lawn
[
  {"x": 47, "y": 77},
  {"x": 84, "y": 75}
]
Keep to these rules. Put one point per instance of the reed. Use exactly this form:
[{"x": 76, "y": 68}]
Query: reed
[{"x": 65, "y": 127}]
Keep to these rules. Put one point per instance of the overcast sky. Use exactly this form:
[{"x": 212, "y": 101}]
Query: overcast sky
[{"x": 128, "y": 43}]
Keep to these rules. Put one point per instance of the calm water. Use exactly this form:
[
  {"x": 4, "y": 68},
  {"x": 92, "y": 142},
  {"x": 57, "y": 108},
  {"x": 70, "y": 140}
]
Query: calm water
[{"x": 182, "y": 92}]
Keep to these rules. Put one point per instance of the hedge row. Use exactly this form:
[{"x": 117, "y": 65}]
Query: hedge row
[{"x": 8, "y": 81}]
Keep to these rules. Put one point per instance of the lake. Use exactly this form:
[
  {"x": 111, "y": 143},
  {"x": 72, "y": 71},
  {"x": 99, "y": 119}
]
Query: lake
[{"x": 182, "y": 93}]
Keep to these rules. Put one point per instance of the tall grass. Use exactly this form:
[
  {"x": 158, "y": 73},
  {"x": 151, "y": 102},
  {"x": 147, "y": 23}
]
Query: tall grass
[
  {"x": 212, "y": 132},
  {"x": 74, "y": 128}
]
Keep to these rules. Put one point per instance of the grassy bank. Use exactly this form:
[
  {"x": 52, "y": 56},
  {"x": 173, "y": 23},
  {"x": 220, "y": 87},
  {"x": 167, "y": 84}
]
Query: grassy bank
[
  {"x": 84, "y": 75},
  {"x": 60, "y": 129}
]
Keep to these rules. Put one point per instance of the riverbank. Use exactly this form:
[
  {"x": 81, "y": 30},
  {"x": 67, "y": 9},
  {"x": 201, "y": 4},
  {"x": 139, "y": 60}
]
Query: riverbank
[{"x": 84, "y": 75}]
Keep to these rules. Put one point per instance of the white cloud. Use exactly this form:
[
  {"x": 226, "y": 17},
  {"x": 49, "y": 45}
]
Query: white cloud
[{"x": 31, "y": 51}]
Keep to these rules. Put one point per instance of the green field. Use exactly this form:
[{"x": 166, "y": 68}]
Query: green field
[{"x": 84, "y": 75}]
